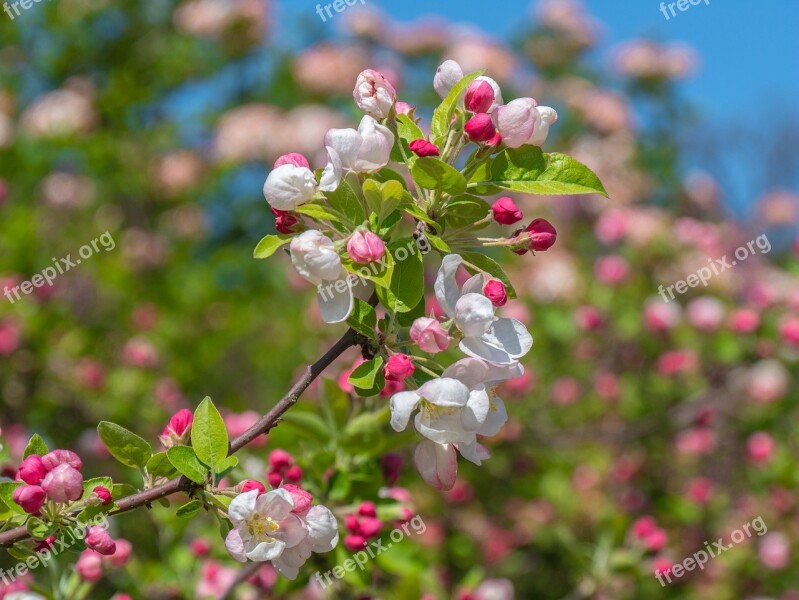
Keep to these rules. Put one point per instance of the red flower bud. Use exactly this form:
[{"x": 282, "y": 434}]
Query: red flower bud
[
  {"x": 63, "y": 483},
  {"x": 280, "y": 459},
  {"x": 302, "y": 499},
  {"x": 506, "y": 212},
  {"x": 539, "y": 235},
  {"x": 30, "y": 498},
  {"x": 89, "y": 566},
  {"x": 98, "y": 540},
  {"x": 479, "y": 97},
  {"x": 494, "y": 290},
  {"x": 370, "y": 526},
  {"x": 52, "y": 459},
  {"x": 367, "y": 509},
  {"x": 45, "y": 544},
  {"x": 274, "y": 478},
  {"x": 32, "y": 470},
  {"x": 353, "y": 543},
  {"x": 284, "y": 221},
  {"x": 103, "y": 493},
  {"x": 178, "y": 431},
  {"x": 398, "y": 368},
  {"x": 251, "y": 484},
  {"x": 423, "y": 148},
  {"x": 480, "y": 128},
  {"x": 293, "y": 474},
  {"x": 292, "y": 158}
]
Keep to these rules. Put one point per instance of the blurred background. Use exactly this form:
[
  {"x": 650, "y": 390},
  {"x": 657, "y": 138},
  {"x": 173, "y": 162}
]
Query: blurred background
[{"x": 642, "y": 428}]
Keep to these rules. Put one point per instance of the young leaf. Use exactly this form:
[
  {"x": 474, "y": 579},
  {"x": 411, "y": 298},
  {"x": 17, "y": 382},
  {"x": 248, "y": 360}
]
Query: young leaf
[
  {"x": 365, "y": 374},
  {"x": 159, "y": 466},
  {"x": 408, "y": 130},
  {"x": 127, "y": 447},
  {"x": 363, "y": 319},
  {"x": 378, "y": 272},
  {"x": 190, "y": 509},
  {"x": 36, "y": 445},
  {"x": 464, "y": 211},
  {"x": 230, "y": 462},
  {"x": 407, "y": 282},
  {"x": 270, "y": 244},
  {"x": 7, "y": 495},
  {"x": 208, "y": 435},
  {"x": 490, "y": 266},
  {"x": 443, "y": 114},
  {"x": 345, "y": 202},
  {"x": 434, "y": 174},
  {"x": 186, "y": 462},
  {"x": 320, "y": 212}
]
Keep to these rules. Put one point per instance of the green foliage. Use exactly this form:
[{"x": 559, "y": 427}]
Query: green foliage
[
  {"x": 209, "y": 436},
  {"x": 127, "y": 447}
]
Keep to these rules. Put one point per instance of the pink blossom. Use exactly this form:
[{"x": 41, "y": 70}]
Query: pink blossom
[
  {"x": 588, "y": 318},
  {"x": 611, "y": 270},
  {"x": 506, "y": 212},
  {"x": 91, "y": 374},
  {"x": 538, "y": 236},
  {"x": 705, "y": 313},
  {"x": 430, "y": 336},
  {"x": 480, "y": 128},
  {"x": 374, "y": 94},
  {"x": 30, "y": 498},
  {"x": 479, "y": 97},
  {"x": 89, "y": 566},
  {"x": 698, "y": 440},
  {"x": 63, "y": 484},
  {"x": 292, "y": 158},
  {"x": 103, "y": 494},
  {"x": 98, "y": 539},
  {"x": 9, "y": 337},
  {"x": 58, "y": 457},
  {"x": 677, "y": 361},
  {"x": 768, "y": 381},
  {"x": 32, "y": 470},
  {"x": 700, "y": 490},
  {"x": 494, "y": 290},
  {"x": 423, "y": 148},
  {"x": 659, "y": 316},
  {"x": 789, "y": 330},
  {"x": 178, "y": 431},
  {"x": 760, "y": 447},
  {"x": 365, "y": 247},
  {"x": 215, "y": 580},
  {"x": 398, "y": 368},
  {"x": 302, "y": 499},
  {"x": 744, "y": 320},
  {"x": 774, "y": 551},
  {"x": 251, "y": 484},
  {"x": 611, "y": 227}
]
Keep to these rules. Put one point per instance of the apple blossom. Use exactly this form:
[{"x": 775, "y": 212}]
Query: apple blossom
[
  {"x": 506, "y": 212},
  {"x": 98, "y": 540},
  {"x": 365, "y": 247},
  {"x": 289, "y": 186},
  {"x": 292, "y": 158},
  {"x": 363, "y": 151},
  {"x": 32, "y": 470},
  {"x": 251, "y": 484},
  {"x": 63, "y": 484},
  {"x": 120, "y": 557},
  {"x": 398, "y": 368},
  {"x": 284, "y": 221},
  {"x": 429, "y": 335},
  {"x": 479, "y": 97},
  {"x": 178, "y": 431},
  {"x": 322, "y": 529},
  {"x": 422, "y": 147},
  {"x": 30, "y": 498},
  {"x": 103, "y": 495},
  {"x": 52, "y": 459},
  {"x": 494, "y": 290},
  {"x": 302, "y": 499},
  {"x": 447, "y": 75},
  {"x": 374, "y": 94},
  {"x": 522, "y": 122},
  {"x": 495, "y": 339},
  {"x": 437, "y": 464},
  {"x": 89, "y": 566},
  {"x": 480, "y": 128},
  {"x": 538, "y": 236}
]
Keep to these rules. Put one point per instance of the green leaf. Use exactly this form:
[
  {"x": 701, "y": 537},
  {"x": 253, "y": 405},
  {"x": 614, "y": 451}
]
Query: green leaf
[
  {"x": 529, "y": 170},
  {"x": 464, "y": 211},
  {"x": 159, "y": 466},
  {"x": 418, "y": 214},
  {"x": 386, "y": 174},
  {"x": 208, "y": 435},
  {"x": 407, "y": 129},
  {"x": 230, "y": 462},
  {"x": 477, "y": 181},
  {"x": 438, "y": 244},
  {"x": 490, "y": 266},
  {"x": 7, "y": 495},
  {"x": 443, "y": 113},
  {"x": 127, "y": 447},
  {"x": 36, "y": 445},
  {"x": 39, "y": 530},
  {"x": 434, "y": 174},
  {"x": 344, "y": 201},
  {"x": 363, "y": 319},
  {"x": 186, "y": 462},
  {"x": 190, "y": 509},
  {"x": 122, "y": 490},
  {"x": 384, "y": 198},
  {"x": 365, "y": 374},
  {"x": 407, "y": 282},
  {"x": 320, "y": 212},
  {"x": 379, "y": 272},
  {"x": 90, "y": 484},
  {"x": 270, "y": 244}
]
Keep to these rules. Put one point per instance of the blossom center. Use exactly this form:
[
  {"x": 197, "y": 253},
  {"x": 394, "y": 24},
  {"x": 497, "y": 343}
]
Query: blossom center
[
  {"x": 262, "y": 528},
  {"x": 434, "y": 411}
]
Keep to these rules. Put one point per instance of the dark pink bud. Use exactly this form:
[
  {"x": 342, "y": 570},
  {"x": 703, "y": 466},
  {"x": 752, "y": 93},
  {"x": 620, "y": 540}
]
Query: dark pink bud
[
  {"x": 32, "y": 470},
  {"x": 480, "y": 128},
  {"x": 280, "y": 459},
  {"x": 200, "y": 547},
  {"x": 274, "y": 478},
  {"x": 370, "y": 526},
  {"x": 30, "y": 498},
  {"x": 495, "y": 141},
  {"x": 352, "y": 523},
  {"x": 251, "y": 484},
  {"x": 178, "y": 431},
  {"x": 365, "y": 247},
  {"x": 52, "y": 459},
  {"x": 506, "y": 212},
  {"x": 293, "y": 158},
  {"x": 103, "y": 493},
  {"x": 98, "y": 540},
  {"x": 353, "y": 543},
  {"x": 284, "y": 221},
  {"x": 63, "y": 484},
  {"x": 391, "y": 465},
  {"x": 398, "y": 368},
  {"x": 423, "y": 148},
  {"x": 539, "y": 235},
  {"x": 494, "y": 290},
  {"x": 302, "y": 499},
  {"x": 367, "y": 509},
  {"x": 293, "y": 474},
  {"x": 479, "y": 97}
]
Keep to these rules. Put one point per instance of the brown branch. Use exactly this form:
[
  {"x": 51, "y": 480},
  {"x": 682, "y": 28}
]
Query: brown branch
[{"x": 264, "y": 425}]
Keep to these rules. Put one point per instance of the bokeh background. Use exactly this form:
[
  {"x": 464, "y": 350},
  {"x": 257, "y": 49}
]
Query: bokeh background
[{"x": 641, "y": 430}]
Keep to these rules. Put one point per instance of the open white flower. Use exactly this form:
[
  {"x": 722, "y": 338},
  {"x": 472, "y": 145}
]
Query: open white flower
[
  {"x": 495, "y": 339},
  {"x": 290, "y": 186},
  {"x": 263, "y": 526},
  {"x": 363, "y": 151},
  {"x": 315, "y": 257},
  {"x": 322, "y": 537}
]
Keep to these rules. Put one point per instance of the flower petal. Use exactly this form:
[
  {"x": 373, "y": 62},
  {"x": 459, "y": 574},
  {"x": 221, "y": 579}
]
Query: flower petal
[
  {"x": 322, "y": 528},
  {"x": 275, "y": 504},
  {"x": 511, "y": 335},
  {"x": 402, "y": 405},
  {"x": 445, "y": 392},
  {"x": 331, "y": 176},
  {"x": 242, "y": 506},
  {"x": 292, "y": 530},
  {"x": 476, "y": 410},
  {"x": 335, "y": 305},
  {"x": 474, "y": 285},
  {"x": 496, "y": 418},
  {"x": 437, "y": 464},
  {"x": 474, "y": 452},
  {"x": 474, "y": 314},
  {"x": 266, "y": 551},
  {"x": 347, "y": 144},
  {"x": 235, "y": 545},
  {"x": 446, "y": 286}
]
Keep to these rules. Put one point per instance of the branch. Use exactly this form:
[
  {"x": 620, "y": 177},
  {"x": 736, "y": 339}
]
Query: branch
[{"x": 264, "y": 425}]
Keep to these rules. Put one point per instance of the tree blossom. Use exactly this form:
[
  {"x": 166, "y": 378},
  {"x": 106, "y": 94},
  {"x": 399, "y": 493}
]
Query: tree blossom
[
  {"x": 495, "y": 339},
  {"x": 429, "y": 335},
  {"x": 365, "y": 247},
  {"x": 374, "y": 94},
  {"x": 289, "y": 186},
  {"x": 322, "y": 536},
  {"x": 522, "y": 122},
  {"x": 363, "y": 151}
]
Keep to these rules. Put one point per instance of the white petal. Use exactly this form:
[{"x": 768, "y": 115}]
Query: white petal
[
  {"x": 266, "y": 551},
  {"x": 474, "y": 452},
  {"x": 437, "y": 464},
  {"x": 474, "y": 314},
  {"x": 402, "y": 405},
  {"x": 322, "y": 528},
  {"x": 546, "y": 117},
  {"x": 292, "y": 530},
  {"x": 446, "y": 286},
  {"x": 242, "y": 506},
  {"x": 331, "y": 176},
  {"x": 442, "y": 429},
  {"x": 478, "y": 348},
  {"x": 447, "y": 75},
  {"x": 347, "y": 144},
  {"x": 474, "y": 285},
  {"x": 445, "y": 392},
  {"x": 289, "y": 186},
  {"x": 375, "y": 151},
  {"x": 476, "y": 411},
  {"x": 275, "y": 504},
  {"x": 286, "y": 570},
  {"x": 496, "y": 418},
  {"x": 511, "y": 335},
  {"x": 335, "y": 305},
  {"x": 235, "y": 545},
  {"x": 497, "y": 92}
]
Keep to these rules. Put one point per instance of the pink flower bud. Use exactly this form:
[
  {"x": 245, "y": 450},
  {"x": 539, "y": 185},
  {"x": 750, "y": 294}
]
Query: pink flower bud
[
  {"x": 89, "y": 566},
  {"x": 251, "y": 484},
  {"x": 121, "y": 555},
  {"x": 398, "y": 368},
  {"x": 367, "y": 509},
  {"x": 352, "y": 523},
  {"x": 98, "y": 540},
  {"x": 280, "y": 459},
  {"x": 45, "y": 544},
  {"x": 293, "y": 474},
  {"x": 588, "y": 318},
  {"x": 370, "y": 526},
  {"x": 354, "y": 543},
  {"x": 744, "y": 320},
  {"x": 292, "y": 158},
  {"x": 52, "y": 459},
  {"x": 423, "y": 148},
  {"x": 284, "y": 221},
  {"x": 30, "y": 498},
  {"x": 302, "y": 499},
  {"x": 479, "y": 97},
  {"x": 391, "y": 465},
  {"x": 760, "y": 446},
  {"x": 538, "y": 236},
  {"x": 374, "y": 94},
  {"x": 103, "y": 494},
  {"x": 178, "y": 431},
  {"x": 63, "y": 484},
  {"x": 32, "y": 470},
  {"x": 403, "y": 108},
  {"x": 274, "y": 478},
  {"x": 480, "y": 128},
  {"x": 506, "y": 212},
  {"x": 365, "y": 247},
  {"x": 200, "y": 547},
  {"x": 494, "y": 290},
  {"x": 611, "y": 270},
  {"x": 430, "y": 336}
]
